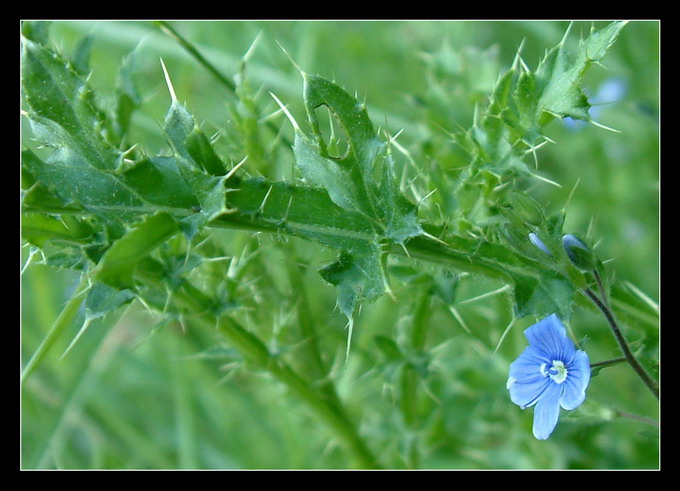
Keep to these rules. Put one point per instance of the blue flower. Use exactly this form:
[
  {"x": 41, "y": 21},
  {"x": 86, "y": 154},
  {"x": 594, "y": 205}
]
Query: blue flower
[{"x": 548, "y": 374}]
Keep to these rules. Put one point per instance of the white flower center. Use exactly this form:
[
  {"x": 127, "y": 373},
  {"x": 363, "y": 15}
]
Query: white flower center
[{"x": 557, "y": 372}]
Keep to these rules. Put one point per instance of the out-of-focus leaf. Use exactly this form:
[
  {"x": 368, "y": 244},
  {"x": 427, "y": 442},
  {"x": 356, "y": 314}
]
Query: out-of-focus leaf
[{"x": 127, "y": 95}]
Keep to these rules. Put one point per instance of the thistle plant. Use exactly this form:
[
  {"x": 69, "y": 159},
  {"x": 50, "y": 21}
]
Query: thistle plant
[{"x": 375, "y": 276}]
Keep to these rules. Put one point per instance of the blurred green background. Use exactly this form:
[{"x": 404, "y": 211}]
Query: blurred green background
[{"x": 134, "y": 395}]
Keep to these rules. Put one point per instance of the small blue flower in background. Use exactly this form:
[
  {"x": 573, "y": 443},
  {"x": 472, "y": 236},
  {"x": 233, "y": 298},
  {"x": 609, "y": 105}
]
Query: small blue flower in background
[
  {"x": 612, "y": 90},
  {"x": 548, "y": 374}
]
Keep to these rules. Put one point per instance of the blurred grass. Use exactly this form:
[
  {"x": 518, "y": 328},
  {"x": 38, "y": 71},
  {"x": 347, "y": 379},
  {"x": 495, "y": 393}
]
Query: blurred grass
[{"x": 132, "y": 396}]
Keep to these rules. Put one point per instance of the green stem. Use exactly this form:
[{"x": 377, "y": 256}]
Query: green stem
[
  {"x": 410, "y": 378},
  {"x": 167, "y": 29},
  {"x": 429, "y": 250},
  {"x": 328, "y": 409},
  {"x": 607, "y": 363},
  {"x": 64, "y": 319},
  {"x": 314, "y": 367},
  {"x": 623, "y": 345}
]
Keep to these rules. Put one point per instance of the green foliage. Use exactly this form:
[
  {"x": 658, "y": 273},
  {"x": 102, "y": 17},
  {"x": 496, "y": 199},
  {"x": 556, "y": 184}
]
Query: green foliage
[{"x": 247, "y": 242}]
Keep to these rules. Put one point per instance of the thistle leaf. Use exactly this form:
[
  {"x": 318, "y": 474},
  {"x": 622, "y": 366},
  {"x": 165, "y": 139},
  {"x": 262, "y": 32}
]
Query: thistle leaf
[
  {"x": 196, "y": 161},
  {"x": 62, "y": 109},
  {"x": 560, "y": 79},
  {"x": 361, "y": 182}
]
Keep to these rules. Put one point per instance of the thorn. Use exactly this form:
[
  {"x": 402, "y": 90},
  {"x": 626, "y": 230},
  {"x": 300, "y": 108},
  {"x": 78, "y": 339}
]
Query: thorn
[
  {"x": 502, "y": 186},
  {"x": 532, "y": 150},
  {"x": 427, "y": 196},
  {"x": 505, "y": 332},
  {"x": 600, "y": 125},
  {"x": 403, "y": 246},
  {"x": 524, "y": 65},
  {"x": 642, "y": 296},
  {"x": 545, "y": 179},
  {"x": 286, "y": 112},
  {"x": 571, "y": 193},
  {"x": 350, "y": 328},
  {"x": 81, "y": 331},
  {"x": 436, "y": 239},
  {"x": 302, "y": 72},
  {"x": 264, "y": 200},
  {"x": 235, "y": 168},
  {"x": 252, "y": 47},
  {"x": 456, "y": 314},
  {"x": 566, "y": 33},
  {"x": 173, "y": 96},
  {"x": 484, "y": 295}
]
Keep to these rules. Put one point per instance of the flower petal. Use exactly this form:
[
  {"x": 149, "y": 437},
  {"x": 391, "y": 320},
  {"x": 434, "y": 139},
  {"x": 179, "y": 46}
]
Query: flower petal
[
  {"x": 578, "y": 377},
  {"x": 528, "y": 364},
  {"x": 547, "y": 411},
  {"x": 550, "y": 337},
  {"x": 527, "y": 394}
]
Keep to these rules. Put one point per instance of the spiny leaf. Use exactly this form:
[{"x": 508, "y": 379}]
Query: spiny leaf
[
  {"x": 361, "y": 182},
  {"x": 550, "y": 293},
  {"x": 62, "y": 109},
  {"x": 559, "y": 79},
  {"x": 102, "y": 299},
  {"x": 362, "y": 179},
  {"x": 197, "y": 162}
]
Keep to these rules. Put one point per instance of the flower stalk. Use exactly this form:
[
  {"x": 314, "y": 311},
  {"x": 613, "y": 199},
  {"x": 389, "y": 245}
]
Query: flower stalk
[{"x": 623, "y": 345}]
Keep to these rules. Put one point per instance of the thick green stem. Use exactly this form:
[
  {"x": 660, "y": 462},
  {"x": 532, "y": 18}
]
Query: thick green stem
[{"x": 328, "y": 409}]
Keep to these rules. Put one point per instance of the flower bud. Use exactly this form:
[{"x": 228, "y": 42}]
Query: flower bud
[
  {"x": 527, "y": 208},
  {"x": 533, "y": 238},
  {"x": 578, "y": 252}
]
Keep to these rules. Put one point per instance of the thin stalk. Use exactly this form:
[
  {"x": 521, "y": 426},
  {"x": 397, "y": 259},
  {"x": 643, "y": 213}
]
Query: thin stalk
[
  {"x": 410, "y": 378},
  {"x": 607, "y": 363},
  {"x": 167, "y": 29},
  {"x": 191, "y": 49},
  {"x": 623, "y": 345},
  {"x": 600, "y": 286}
]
